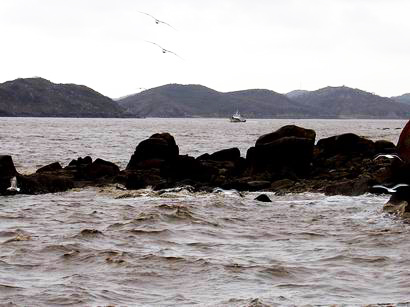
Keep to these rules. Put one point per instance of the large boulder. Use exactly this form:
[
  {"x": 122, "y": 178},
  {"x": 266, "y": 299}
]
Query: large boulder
[
  {"x": 46, "y": 182},
  {"x": 345, "y": 144},
  {"x": 286, "y": 131},
  {"x": 384, "y": 147},
  {"x": 183, "y": 167},
  {"x": 230, "y": 154},
  {"x": 7, "y": 168},
  {"x": 349, "y": 187},
  {"x": 160, "y": 146},
  {"x": 101, "y": 168},
  {"x": 403, "y": 145},
  {"x": 286, "y": 154}
]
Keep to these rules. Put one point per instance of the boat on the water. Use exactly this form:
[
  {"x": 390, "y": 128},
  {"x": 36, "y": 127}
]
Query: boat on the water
[{"x": 237, "y": 118}]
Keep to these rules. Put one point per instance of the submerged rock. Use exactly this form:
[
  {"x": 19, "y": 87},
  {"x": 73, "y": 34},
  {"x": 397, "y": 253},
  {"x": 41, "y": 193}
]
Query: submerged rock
[{"x": 263, "y": 198}]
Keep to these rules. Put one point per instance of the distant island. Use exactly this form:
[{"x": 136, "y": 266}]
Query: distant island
[{"x": 38, "y": 97}]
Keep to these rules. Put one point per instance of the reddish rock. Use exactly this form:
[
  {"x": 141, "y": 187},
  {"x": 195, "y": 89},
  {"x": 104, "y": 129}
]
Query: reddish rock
[{"x": 403, "y": 145}]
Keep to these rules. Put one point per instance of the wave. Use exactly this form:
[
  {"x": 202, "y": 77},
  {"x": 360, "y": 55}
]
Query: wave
[{"x": 149, "y": 231}]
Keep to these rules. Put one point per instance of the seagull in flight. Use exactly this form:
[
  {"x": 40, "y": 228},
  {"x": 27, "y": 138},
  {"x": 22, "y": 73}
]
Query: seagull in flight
[
  {"x": 388, "y": 156},
  {"x": 157, "y": 21},
  {"x": 164, "y": 50},
  {"x": 399, "y": 186},
  {"x": 13, "y": 185}
]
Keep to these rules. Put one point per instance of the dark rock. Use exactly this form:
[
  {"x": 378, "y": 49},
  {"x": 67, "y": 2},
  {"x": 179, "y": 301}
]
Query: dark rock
[
  {"x": 183, "y": 167},
  {"x": 7, "y": 171},
  {"x": 204, "y": 156},
  {"x": 264, "y": 198},
  {"x": 231, "y": 154},
  {"x": 45, "y": 183},
  {"x": 352, "y": 187},
  {"x": 346, "y": 144},
  {"x": 286, "y": 131},
  {"x": 101, "y": 168},
  {"x": 158, "y": 146},
  {"x": 150, "y": 164},
  {"x": 399, "y": 206},
  {"x": 384, "y": 147},
  {"x": 7, "y": 168},
  {"x": 135, "y": 181},
  {"x": 403, "y": 145},
  {"x": 50, "y": 168},
  {"x": 140, "y": 179},
  {"x": 258, "y": 185},
  {"x": 81, "y": 162},
  {"x": 280, "y": 185},
  {"x": 290, "y": 153}
]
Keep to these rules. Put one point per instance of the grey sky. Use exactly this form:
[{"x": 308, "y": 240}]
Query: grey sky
[{"x": 227, "y": 45}]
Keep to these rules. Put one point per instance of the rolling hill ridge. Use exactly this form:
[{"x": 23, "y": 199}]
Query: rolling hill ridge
[{"x": 40, "y": 97}]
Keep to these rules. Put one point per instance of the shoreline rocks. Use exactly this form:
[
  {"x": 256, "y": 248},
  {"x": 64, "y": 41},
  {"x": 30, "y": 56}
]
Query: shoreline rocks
[{"x": 284, "y": 161}]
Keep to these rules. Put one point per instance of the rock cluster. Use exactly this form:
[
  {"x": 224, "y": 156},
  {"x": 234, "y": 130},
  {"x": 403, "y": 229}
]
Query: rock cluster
[{"x": 288, "y": 160}]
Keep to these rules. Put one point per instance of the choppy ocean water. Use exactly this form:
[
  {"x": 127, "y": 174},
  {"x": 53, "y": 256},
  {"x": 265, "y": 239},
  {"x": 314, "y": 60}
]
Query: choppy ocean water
[{"x": 103, "y": 246}]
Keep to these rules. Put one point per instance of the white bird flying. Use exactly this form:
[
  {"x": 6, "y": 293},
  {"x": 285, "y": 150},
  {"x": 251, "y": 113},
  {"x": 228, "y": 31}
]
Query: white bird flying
[
  {"x": 13, "y": 185},
  {"x": 388, "y": 156},
  {"x": 164, "y": 50},
  {"x": 157, "y": 21},
  {"x": 399, "y": 186}
]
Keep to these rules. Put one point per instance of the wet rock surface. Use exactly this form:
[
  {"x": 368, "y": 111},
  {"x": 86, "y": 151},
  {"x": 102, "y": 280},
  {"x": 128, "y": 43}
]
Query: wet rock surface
[
  {"x": 284, "y": 161},
  {"x": 399, "y": 185}
]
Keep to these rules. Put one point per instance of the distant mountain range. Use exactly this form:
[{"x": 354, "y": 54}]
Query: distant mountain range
[
  {"x": 175, "y": 100},
  {"x": 40, "y": 97}
]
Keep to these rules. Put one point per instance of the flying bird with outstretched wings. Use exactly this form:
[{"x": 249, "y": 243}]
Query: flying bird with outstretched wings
[
  {"x": 164, "y": 50},
  {"x": 157, "y": 21}
]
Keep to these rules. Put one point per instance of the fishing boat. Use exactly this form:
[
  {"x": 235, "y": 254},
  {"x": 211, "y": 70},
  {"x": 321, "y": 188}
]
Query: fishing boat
[{"x": 237, "y": 118}]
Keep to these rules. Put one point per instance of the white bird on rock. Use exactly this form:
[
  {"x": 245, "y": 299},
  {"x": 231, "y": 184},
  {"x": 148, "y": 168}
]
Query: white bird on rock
[{"x": 13, "y": 185}]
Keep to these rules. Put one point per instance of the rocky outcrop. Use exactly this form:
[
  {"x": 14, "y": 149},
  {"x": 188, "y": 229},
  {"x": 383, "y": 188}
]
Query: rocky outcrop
[
  {"x": 160, "y": 147},
  {"x": 284, "y": 161},
  {"x": 56, "y": 166},
  {"x": 287, "y": 152},
  {"x": 400, "y": 199}
]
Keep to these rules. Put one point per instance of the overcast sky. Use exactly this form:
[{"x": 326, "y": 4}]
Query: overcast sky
[{"x": 226, "y": 45}]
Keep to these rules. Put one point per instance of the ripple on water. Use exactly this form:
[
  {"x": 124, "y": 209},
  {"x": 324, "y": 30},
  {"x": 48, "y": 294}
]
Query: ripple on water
[{"x": 203, "y": 248}]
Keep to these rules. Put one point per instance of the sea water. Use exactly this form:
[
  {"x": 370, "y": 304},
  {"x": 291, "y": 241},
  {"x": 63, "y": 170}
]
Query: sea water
[{"x": 104, "y": 246}]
